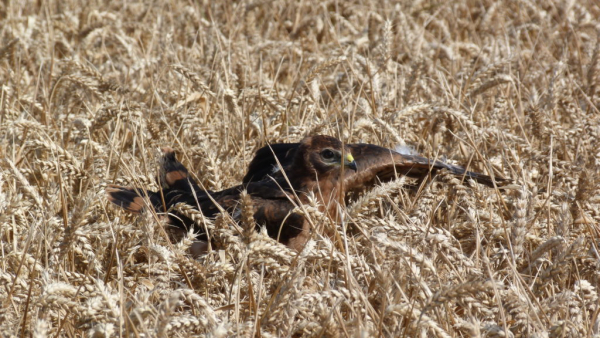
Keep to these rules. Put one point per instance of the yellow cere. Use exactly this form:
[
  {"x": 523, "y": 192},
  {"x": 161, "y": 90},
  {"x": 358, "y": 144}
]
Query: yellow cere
[{"x": 350, "y": 158}]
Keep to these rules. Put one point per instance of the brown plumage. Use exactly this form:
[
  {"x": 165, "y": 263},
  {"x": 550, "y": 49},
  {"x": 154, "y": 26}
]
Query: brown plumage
[{"x": 315, "y": 166}]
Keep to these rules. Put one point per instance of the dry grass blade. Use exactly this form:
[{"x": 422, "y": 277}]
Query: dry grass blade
[{"x": 6, "y": 50}]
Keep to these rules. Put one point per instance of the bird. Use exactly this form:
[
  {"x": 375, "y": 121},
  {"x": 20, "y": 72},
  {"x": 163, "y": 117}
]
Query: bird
[
  {"x": 318, "y": 166},
  {"x": 315, "y": 168}
]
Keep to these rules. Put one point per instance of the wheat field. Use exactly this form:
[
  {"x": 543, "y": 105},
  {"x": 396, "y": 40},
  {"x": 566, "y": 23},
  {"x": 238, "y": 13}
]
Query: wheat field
[{"x": 90, "y": 91}]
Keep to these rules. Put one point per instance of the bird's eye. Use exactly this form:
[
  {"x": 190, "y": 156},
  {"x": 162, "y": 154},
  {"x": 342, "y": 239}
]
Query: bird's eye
[{"x": 327, "y": 154}]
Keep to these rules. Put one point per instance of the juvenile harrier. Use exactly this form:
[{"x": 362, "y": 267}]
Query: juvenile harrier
[{"x": 319, "y": 165}]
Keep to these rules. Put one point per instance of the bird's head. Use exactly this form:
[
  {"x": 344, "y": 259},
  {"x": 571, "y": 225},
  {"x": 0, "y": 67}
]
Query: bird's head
[{"x": 323, "y": 155}]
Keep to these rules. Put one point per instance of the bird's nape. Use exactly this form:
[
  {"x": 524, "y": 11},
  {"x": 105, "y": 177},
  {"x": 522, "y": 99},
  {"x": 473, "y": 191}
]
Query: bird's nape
[{"x": 266, "y": 161}]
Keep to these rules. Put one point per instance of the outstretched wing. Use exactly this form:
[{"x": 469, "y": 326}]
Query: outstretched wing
[
  {"x": 377, "y": 163},
  {"x": 174, "y": 175},
  {"x": 178, "y": 187},
  {"x": 136, "y": 200},
  {"x": 131, "y": 199},
  {"x": 272, "y": 200}
]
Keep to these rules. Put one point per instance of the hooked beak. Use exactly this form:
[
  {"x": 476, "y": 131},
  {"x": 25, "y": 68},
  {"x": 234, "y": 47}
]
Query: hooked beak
[{"x": 350, "y": 163}]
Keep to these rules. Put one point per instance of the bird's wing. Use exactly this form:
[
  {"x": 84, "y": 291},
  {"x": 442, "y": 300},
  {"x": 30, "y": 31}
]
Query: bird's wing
[
  {"x": 274, "y": 202},
  {"x": 178, "y": 187},
  {"x": 273, "y": 208},
  {"x": 175, "y": 176},
  {"x": 271, "y": 198},
  {"x": 228, "y": 199},
  {"x": 131, "y": 199},
  {"x": 377, "y": 163},
  {"x": 280, "y": 221}
]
